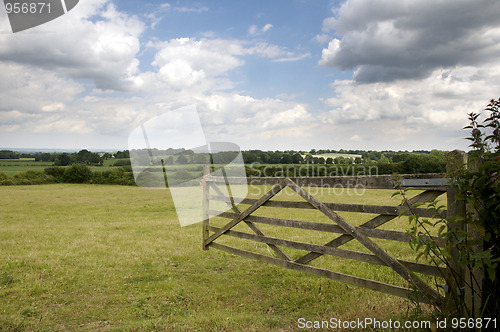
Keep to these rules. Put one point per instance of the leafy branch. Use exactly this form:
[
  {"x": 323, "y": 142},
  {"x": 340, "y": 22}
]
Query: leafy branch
[{"x": 473, "y": 237}]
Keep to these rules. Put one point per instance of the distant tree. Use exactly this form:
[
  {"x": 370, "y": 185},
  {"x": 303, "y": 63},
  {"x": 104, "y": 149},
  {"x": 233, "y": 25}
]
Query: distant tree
[
  {"x": 122, "y": 154},
  {"x": 182, "y": 160},
  {"x": 45, "y": 157},
  {"x": 297, "y": 159},
  {"x": 383, "y": 160},
  {"x": 64, "y": 159},
  {"x": 249, "y": 157},
  {"x": 7, "y": 154},
  {"x": 169, "y": 160},
  {"x": 329, "y": 161},
  {"x": 274, "y": 158},
  {"x": 339, "y": 160},
  {"x": 201, "y": 158},
  {"x": 88, "y": 158},
  {"x": 286, "y": 159}
]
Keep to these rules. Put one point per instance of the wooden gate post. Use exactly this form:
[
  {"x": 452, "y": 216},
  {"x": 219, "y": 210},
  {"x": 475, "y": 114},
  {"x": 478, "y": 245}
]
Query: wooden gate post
[
  {"x": 474, "y": 294},
  {"x": 455, "y": 276},
  {"x": 206, "y": 206}
]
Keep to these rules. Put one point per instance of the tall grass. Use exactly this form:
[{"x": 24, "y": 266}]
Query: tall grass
[{"x": 97, "y": 257}]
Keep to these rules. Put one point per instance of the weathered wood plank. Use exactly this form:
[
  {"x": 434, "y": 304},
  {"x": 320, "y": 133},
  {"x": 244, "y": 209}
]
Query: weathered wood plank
[
  {"x": 368, "y": 182},
  {"x": 350, "y": 254},
  {"x": 206, "y": 208},
  {"x": 409, "y": 276},
  {"x": 374, "y": 233},
  {"x": 360, "y": 208},
  {"x": 344, "y": 278}
]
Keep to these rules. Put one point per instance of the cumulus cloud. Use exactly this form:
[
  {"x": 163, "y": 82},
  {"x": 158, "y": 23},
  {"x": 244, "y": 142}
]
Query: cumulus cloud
[
  {"x": 204, "y": 64},
  {"x": 249, "y": 121},
  {"x": 409, "y": 39},
  {"x": 442, "y": 100},
  {"x": 185, "y": 62},
  {"x": 108, "y": 43}
]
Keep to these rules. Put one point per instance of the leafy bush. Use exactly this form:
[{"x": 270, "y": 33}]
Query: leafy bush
[
  {"x": 5, "y": 180},
  {"x": 120, "y": 176},
  {"x": 56, "y": 172},
  {"x": 472, "y": 237},
  {"x": 77, "y": 173},
  {"x": 31, "y": 177}
]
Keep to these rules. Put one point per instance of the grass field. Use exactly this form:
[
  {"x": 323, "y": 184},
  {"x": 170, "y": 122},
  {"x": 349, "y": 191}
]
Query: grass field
[{"x": 96, "y": 257}]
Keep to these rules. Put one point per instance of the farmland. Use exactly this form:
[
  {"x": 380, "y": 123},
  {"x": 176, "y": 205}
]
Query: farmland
[
  {"x": 14, "y": 166},
  {"x": 98, "y": 257}
]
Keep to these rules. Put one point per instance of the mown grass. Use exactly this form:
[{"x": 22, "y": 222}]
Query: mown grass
[{"x": 95, "y": 257}]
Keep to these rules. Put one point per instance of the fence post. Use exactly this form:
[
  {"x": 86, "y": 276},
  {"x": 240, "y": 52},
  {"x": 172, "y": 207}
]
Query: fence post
[
  {"x": 206, "y": 202},
  {"x": 455, "y": 275},
  {"x": 474, "y": 277}
]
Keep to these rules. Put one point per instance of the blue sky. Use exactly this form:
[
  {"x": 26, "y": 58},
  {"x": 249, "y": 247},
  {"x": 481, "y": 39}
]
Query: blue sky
[{"x": 303, "y": 74}]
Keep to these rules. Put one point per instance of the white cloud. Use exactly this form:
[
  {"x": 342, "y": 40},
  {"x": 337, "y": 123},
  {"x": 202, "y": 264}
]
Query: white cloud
[
  {"x": 197, "y": 10},
  {"x": 442, "y": 100},
  {"x": 322, "y": 38},
  {"x": 246, "y": 120},
  {"x": 105, "y": 52},
  {"x": 253, "y": 29},
  {"x": 267, "y": 27}
]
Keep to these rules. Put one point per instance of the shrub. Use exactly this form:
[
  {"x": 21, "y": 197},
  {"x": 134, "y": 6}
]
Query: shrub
[
  {"x": 56, "y": 172},
  {"x": 31, "y": 177},
  {"x": 5, "y": 180},
  {"x": 117, "y": 176},
  {"x": 77, "y": 173}
]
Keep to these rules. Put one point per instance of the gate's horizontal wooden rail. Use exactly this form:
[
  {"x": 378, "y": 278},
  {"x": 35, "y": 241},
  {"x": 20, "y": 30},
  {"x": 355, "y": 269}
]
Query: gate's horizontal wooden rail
[
  {"x": 360, "y": 208},
  {"x": 347, "y": 279},
  {"x": 344, "y": 253},
  {"x": 420, "y": 181},
  {"x": 323, "y": 227}
]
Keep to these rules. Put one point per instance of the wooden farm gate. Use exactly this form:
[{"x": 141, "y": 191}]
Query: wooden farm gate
[{"x": 433, "y": 185}]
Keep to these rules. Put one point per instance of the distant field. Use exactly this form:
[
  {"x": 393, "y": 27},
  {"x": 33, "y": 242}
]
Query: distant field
[
  {"x": 24, "y": 162},
  {"x": 335, "y": 155},
  {"x": 14, "y": 166},
  {"x": 97, "y": 257}
]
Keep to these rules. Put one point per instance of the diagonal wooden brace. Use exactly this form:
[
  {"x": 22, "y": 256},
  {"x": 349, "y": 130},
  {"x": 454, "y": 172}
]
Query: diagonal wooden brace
[
  {"x": 390, "y": 261},
  {"x": 250, "y": 224},
  {"x": 372, "y": 223},
  {"x": 270, "y": 194}
]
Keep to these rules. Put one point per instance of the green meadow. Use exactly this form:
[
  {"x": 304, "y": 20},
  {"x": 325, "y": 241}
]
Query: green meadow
[{"x": 114, "y": 258}]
